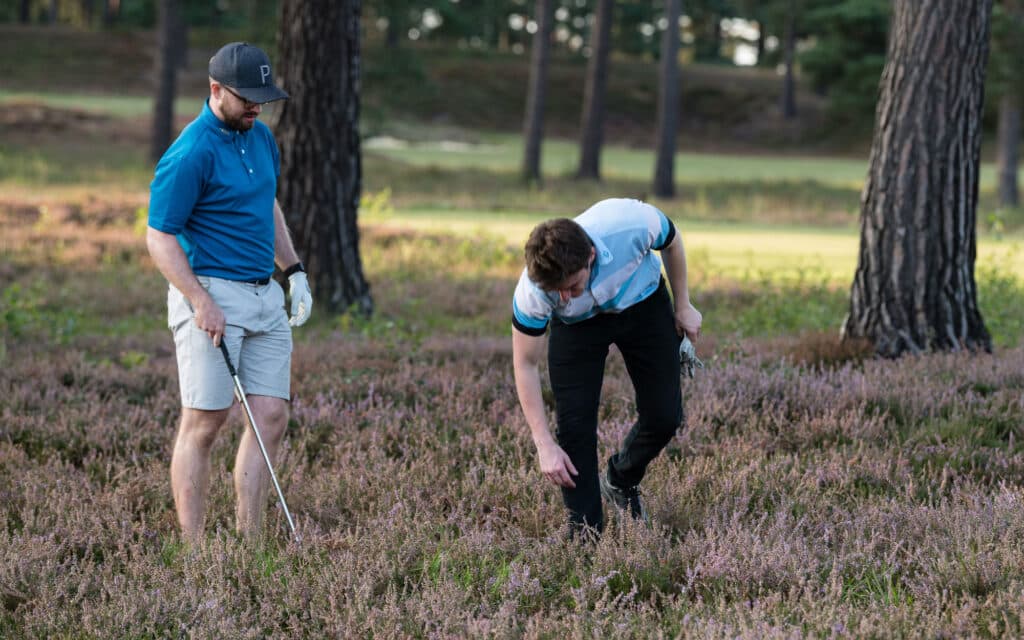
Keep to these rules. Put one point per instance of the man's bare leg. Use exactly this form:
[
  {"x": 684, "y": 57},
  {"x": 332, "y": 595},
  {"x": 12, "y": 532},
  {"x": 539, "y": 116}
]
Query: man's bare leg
[
  {"x": 252, "y": 480},
  {"x": 190, "y": 467}
]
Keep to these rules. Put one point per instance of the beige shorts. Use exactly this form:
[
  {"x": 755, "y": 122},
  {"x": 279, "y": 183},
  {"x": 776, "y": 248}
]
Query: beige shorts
[{"x": 257, "y": 336}]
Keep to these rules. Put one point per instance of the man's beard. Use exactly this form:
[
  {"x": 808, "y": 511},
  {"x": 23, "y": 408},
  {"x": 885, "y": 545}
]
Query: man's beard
[{"x": 239, "y": 123}]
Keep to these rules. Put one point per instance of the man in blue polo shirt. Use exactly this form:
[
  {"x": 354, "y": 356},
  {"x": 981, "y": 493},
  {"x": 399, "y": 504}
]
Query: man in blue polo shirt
[
  {"x": 216, "y": 232},
  {"x": 596, "y": 281}
]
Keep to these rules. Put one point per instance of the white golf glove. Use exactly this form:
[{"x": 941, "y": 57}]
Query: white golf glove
[
  {"x": 688, "y": 360},
  {"x": 302, "y": 299}
]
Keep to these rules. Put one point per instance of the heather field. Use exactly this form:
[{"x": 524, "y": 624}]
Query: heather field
[{"x": 815, "y": 492}]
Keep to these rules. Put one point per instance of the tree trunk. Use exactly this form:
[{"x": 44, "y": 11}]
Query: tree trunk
[
  {"x": 54, "y": 10},
  {"x": 914, "y": 288},
  {"x": 393, "y": 34},
  {"x": 87, "y": 11},
  {"x": 181, "y": 39},
  {"x": 762, "y": 39},
  {"x": 788, "y": 82},
  {"x": 1009, "y": 141},
  {"x": 23, "y": 11},
  {"x": 318, "y": 132},
  {"x": 592, "y": 126},
  {"x": 533, "y": 122},
  {"x": 166, "y": 78},
  {"x": 668, "y": 105}
]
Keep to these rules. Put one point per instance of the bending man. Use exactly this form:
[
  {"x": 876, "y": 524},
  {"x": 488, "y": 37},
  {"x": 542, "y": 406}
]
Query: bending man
[{"x": 596, "y": 281}]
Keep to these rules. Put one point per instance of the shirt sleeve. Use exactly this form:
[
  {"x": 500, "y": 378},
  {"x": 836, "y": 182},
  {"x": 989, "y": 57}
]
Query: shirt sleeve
[
  {"x": 531, "y": 309},
  {"x": 662, "y": 230},
  {"x": 177, "y": 184}
]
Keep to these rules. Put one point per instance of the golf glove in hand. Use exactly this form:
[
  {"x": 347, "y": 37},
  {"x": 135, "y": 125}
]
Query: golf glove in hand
[
  {"x": 302, "y": 299},
  {"x": 688, "y": 360}
]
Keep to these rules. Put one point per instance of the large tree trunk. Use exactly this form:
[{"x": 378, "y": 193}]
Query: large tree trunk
[
  {"x": 1009, "y": 141},
  {"x": 789, "y": 53},
  {"x": 166, "y": 63},
  {"x": 914, "y": 288},
  {"x": 668, "y": 105},
  {"x": 318, "y": 132},
  {"x": 592, "y": 127},
  {"x": 533, "y": 121}
]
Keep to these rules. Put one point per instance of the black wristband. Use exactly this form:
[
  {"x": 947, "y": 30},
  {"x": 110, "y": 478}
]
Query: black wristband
[{"x": 295, "y": 268}]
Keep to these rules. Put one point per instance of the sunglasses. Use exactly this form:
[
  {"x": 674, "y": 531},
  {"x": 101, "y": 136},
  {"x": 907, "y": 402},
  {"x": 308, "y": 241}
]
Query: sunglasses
[{"x": 245, "y": 101}]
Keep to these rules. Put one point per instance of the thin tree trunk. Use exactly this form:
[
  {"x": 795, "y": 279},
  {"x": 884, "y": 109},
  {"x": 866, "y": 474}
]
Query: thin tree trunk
[
  {"x": 533, "y": 123},
  {"x": 23, "y": 11},
  {"x": 914, "y": 288},
  {"x": 181, "y": 39},
  {"x": 54, "y": 10},
  {"x": 166, "y": 78},
  {"x": 668, "y": 105},
  {"x": 1008, "y": 155},
  {"x": 762, "y": 39},
  {"x": 318, "y": 132},
  {"x": 87, "y": 11},
  {"x": 592, "y": 126},
  {"x": 789, "y": 83},
  {"x": 393, "y": 33}
]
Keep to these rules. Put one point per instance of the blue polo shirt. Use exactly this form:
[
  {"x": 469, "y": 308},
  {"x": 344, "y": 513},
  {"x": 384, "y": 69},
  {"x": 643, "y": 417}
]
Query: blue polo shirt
[
  {"x": 214, "y": 189},
  {"x": 625, "y": 270}
]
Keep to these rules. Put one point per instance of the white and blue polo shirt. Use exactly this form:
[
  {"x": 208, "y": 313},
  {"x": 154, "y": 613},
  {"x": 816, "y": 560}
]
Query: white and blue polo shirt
[
  {"x": 214, "y": 188},
  {"x": 625, "y": 271}
]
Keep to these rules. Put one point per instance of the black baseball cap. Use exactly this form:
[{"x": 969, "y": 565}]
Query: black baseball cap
[{"x": 245, "y": 69}]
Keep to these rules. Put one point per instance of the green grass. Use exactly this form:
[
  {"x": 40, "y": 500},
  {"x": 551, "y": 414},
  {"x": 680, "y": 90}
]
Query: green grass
[
  {"x": 118, "y": 106},
  {"x": 735, "y": 250},
  {"x": 504, "y": 152}
]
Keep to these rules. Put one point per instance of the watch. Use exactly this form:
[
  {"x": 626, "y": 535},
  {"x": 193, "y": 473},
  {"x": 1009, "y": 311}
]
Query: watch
[{"x": 295, "y": 268}]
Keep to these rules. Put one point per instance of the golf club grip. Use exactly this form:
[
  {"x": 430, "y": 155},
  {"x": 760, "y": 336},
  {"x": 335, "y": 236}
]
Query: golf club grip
[{"x": 227, "y": 357}]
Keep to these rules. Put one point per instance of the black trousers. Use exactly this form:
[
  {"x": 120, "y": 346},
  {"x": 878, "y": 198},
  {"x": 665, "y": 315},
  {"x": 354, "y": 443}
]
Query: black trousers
[{"x": 646, "y": 336}]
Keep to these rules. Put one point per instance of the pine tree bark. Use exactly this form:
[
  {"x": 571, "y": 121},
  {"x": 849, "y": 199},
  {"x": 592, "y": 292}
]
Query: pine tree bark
[
  {"x": 536, "y": 92},
  {"x": 318, "y": 133},
  {"x": 166, "y": 63},
  {"x": 1008, "y": 155},
  {"x": 592, "y": 126},
  {"x": 668, "y": 105},
  {"x": 914, "y": 288}
]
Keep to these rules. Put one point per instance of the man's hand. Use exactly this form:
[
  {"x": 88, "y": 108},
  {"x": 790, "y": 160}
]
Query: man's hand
[
  {"x": 688, "y": 321},
  {"x": 302, "y": 299},
  {"x": 209, "y": 317},
  {"x": 556, "y": 465}
]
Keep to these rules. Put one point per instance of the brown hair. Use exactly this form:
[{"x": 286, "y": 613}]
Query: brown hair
[{"x": 555, "y": 250}]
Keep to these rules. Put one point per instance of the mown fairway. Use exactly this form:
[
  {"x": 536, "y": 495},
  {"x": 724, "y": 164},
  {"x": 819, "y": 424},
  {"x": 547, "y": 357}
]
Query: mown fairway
[{"x": 815, "y": 491}]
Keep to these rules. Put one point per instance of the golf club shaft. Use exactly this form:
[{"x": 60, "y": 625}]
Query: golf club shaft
[{"x": 259, "y": 440}]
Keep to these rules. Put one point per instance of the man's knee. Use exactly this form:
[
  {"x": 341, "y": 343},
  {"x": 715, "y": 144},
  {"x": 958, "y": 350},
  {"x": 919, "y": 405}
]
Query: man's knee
[
  {"x": 201, "y": 426},
  {"x": 271, "y": 415},
  {"x": 665, "y": 420}
]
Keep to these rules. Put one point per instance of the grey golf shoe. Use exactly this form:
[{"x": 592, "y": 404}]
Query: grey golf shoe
[{"x": 625, "y": 500}]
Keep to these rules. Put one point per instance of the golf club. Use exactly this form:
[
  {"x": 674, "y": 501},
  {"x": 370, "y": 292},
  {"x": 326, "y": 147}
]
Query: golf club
[{"x": 240, "y": 393}]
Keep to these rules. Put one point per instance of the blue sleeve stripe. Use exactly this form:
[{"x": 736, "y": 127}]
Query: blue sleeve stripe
[{"x": 521, "y": 319}]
